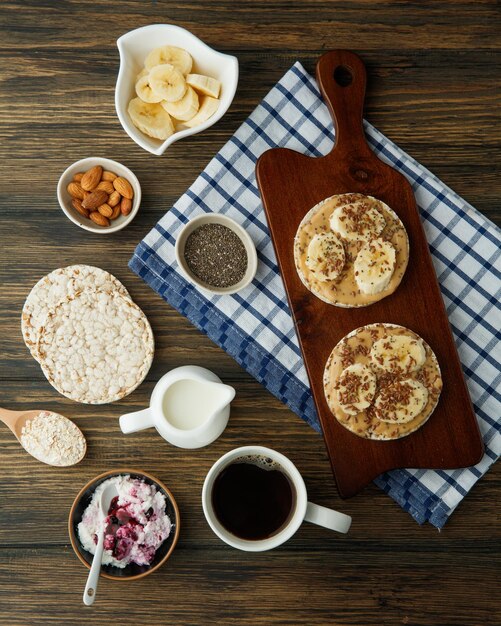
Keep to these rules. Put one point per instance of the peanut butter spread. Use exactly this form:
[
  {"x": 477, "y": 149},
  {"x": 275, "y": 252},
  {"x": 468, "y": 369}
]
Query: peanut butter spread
[
  {"x": 360, "y": 214},
  {"x": 375, "y": 388}
]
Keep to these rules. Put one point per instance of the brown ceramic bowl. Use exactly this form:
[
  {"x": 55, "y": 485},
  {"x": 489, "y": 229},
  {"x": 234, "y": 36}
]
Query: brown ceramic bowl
[{"x": 132, "y": 571}]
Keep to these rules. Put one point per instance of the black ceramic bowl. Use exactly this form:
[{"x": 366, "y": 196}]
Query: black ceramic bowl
[{"x": 133, "y": 571}]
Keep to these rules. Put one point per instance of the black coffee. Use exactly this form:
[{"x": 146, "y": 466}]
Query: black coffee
[{"x": 252, "y": 499}]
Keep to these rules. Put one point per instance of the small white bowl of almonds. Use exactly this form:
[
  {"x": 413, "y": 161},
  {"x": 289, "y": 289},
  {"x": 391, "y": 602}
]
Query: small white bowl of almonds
[
  {"x": 171, "y": 85},
  {"x": 99, "y": 195}
]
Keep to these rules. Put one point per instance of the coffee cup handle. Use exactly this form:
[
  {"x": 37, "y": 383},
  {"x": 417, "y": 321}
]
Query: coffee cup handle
[
  {"x": 139, "y": 420},
  {"x": 328, "y": 518}
]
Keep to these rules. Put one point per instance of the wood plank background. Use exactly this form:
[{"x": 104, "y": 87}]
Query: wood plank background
[{"x": 433, "y": 89}]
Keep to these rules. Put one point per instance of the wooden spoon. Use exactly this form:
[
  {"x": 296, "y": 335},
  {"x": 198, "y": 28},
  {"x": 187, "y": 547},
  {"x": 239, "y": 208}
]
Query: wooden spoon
[{"x": 16, "y": 420}]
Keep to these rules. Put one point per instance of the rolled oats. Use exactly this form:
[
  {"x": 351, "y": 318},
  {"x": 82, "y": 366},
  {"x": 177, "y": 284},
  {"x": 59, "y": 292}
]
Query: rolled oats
[{"x": 53, "y": 439}]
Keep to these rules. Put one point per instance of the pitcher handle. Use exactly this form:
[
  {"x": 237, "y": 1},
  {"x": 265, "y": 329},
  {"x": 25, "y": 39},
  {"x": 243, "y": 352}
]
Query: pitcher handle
[
  {"x": 139, "y": 420},
  {"x": 328, "y": 518}
]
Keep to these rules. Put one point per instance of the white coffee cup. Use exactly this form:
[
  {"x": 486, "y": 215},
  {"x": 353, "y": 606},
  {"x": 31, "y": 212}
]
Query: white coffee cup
[{"x": 303, "y": 510}]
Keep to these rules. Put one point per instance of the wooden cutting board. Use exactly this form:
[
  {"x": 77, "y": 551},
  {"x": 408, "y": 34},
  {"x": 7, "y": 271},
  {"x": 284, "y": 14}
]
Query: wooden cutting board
[{"x": 291, "y": 184}]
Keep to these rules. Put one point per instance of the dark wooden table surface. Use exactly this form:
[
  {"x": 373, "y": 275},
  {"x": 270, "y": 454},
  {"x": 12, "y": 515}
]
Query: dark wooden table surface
[{"x": 433, "y": 89}]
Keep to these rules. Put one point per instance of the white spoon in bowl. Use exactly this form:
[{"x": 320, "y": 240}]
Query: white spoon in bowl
[{"x": 104, "y": 505}]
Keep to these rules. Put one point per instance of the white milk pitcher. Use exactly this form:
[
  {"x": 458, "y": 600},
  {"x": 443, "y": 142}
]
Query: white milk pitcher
[{"x": 189, "y": 407}]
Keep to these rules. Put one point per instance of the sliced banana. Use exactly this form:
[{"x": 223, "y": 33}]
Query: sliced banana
[
  {"x": 167, "y": 82},
  {"x": 374, "y": 266},
  {"x": 326, "y": 256},
  {"x": 143, "y": 72},
  {"x": 398, "y": 354},
  {"x": 145, "y": 92},
  {"x": 360, "y": 221},
  {"x": 151, "y": 118},
  {"x": 204, "y": 84},
  {"x": 207, "y": 108},
  {"x": 401, "y": 401},
  {"x": 355, "y": 388},
  {"x": 183, "y": 109},
  {"x": 178, "y": 57}
]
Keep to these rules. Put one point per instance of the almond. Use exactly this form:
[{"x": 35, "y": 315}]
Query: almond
[
  {"x": 105, "y": 210},
  {"x": 116, "y": 212},
  {"x": 114, "y": 199},
  {"x": 126, "y": 206},
  {"x": 75, "y": 190},
  {"x": 123, "y": 187},
  {"x": 99, "y": 219},
  {"x": 107, "y": 186},
  {"x": 91, "y": 178},
  {"x": 77, "y": 205},
  {"x": 78, "y": 177},
  {"x": 95, "y": 199},
  {"x": 108, "y": 176}
]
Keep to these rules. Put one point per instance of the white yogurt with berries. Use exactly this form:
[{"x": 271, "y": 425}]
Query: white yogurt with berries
[{"x": 136, "y": 524}]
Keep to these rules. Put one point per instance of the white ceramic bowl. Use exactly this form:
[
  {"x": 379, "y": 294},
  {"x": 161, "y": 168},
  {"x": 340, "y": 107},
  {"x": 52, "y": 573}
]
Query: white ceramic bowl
[
  {"x": 135, "y": 45},
  {"x": 250, "y": 248},
  {"x": 107, "y": 164}
]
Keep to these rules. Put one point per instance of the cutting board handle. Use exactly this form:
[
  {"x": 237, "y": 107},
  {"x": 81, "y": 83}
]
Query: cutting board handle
[{"x": 342, "y": 78}]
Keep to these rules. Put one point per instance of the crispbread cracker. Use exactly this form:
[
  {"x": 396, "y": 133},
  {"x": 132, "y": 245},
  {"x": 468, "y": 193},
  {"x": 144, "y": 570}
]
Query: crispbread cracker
[
  {"x": 344, "y": 291},
  {"x": 55, "y": 288},
  {"x": 95, "y": 347},
  {"x": 355, "y": 348}
]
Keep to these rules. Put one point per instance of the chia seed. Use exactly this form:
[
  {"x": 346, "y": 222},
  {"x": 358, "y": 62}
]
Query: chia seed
[{"x": 216, "y": 255}]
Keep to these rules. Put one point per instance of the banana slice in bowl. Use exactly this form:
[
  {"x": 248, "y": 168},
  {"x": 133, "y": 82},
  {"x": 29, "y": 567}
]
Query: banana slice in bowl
[
  {"x": 208, "y": 108},
  {"x": 152, "y": 119},
  {"x": 184, "y": 109},
  {"x": 144, "y": 90},
  {"x": 204, "y": 84},
  {"x": 167, "y": 82},
  {"x": 178, "y": 57}
]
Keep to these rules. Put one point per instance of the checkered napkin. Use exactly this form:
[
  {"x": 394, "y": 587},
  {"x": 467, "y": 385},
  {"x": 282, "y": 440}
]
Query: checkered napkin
[{"x": 255, "y": 326}]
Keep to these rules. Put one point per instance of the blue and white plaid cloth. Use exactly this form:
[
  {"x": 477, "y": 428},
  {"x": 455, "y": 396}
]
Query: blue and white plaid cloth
[{"x": 255, "y": 326}]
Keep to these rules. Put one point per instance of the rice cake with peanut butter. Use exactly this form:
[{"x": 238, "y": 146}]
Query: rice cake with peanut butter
[
  {"x": 351, "y": 250},
  {"x": 382, "y": 381}
]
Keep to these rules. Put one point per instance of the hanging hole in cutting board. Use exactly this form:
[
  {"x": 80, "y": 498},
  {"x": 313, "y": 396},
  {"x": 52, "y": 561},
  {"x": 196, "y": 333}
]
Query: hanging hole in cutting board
[{"x": 343, "y": 76}]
